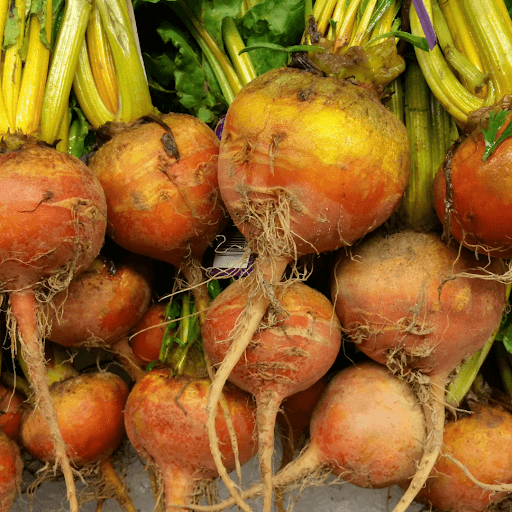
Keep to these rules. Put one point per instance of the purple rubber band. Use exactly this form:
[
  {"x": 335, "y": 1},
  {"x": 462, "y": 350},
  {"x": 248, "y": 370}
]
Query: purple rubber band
[{"x": 426, "y": 24}]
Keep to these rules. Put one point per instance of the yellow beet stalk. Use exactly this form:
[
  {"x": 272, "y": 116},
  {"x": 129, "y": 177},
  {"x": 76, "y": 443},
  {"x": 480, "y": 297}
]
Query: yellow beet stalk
[
  {"x": 12, "y": 66},
  {"x": 462, "y": 38},
  {"x": 135, "y": 99},
  {"x": 4, "y": 121},
  {"x": 30, "y": 100},
  {"x": 101, "y": 61},
  {"x": 87, "y": 94},
  {"x": 62, "y": 69}
]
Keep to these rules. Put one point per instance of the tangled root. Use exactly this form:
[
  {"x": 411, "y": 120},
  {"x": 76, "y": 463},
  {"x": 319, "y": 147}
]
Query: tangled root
[{"x": 267, "y": 212}]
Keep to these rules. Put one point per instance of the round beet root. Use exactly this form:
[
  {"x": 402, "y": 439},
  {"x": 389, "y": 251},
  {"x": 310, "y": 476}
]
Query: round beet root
[
  {"x": 482, "y": 443},
  {"x": 160, "y": 180},
  {"x": 334, "y": 173},
  {"x": 473, "y": 197},
  {"x": 287, "y": 357},
  {"x": 368, "y": 427},
  {"x": 90, "y": 411},
  {"x": 102, "y": 303},
  {"x": 400, "y": 299},
  {"x": 403, "y": 299},
  {"x": 165, "y": 421}
]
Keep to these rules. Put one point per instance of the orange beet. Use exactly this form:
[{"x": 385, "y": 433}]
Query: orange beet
[
  {"x": 394, "y": 294},
  {"x": 323, "y": 151},
  {"x": 481, "y": 195},
  {"x": 482, "y": 442},
  {"x": 52, "y": 226},
  {"x": 102, "y": 303},
  {"x": 148, "y": 333},
  {"x": 165, "y": 421},
  {"x": 53, "y": 212},
  {"x": 11, "y": 403},
  {"x": 162, "y": 191},
  {"x": 368, "y": 427},
  {"x": 11, "y": 467},
  {"x": 90, "y": 413}
]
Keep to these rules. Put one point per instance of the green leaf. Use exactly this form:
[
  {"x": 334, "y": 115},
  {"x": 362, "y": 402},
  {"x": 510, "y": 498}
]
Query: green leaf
[
  {"x": 278, "y": 22},
  {"x": 211, "y": 13},
  {"x": 496, "y": 121},
  {"x": 505, "y": 332},
  {"x": 183, "y": 68},
  {"x": 12, "y": 27},
  {"x": 380, "y": 10},
  {"x": 80, "y": 138},
  {"x": 160, "y": 69}
]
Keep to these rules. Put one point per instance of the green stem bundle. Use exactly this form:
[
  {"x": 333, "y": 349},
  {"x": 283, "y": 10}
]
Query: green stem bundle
[{"x": 431, "y": 132}]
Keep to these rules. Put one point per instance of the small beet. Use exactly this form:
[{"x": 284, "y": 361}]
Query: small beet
[
  {"x": 90, "y": 410},
  {"x": 102, "y": 303},
  {"x": 147, "y": 334},
  {"x": 11, "y": 411},
  {"x": 11, "y": 467}
]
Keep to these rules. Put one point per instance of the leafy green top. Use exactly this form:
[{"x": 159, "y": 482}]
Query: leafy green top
[
  {"x": 179, "y": 74},
  {"x": 496, "y": 121}
]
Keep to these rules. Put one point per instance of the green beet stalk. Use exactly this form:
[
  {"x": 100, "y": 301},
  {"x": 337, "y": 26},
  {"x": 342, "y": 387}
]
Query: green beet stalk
[
  {"x": 490, "y": 44},
  {"x": 396, "y": 102},
  {"x": 470, "y": 368},
  {"x": 467, "y": 374},
  {"x": 443, "y": 133},
  {"x": 504, "y": 367},
  {"x": 417, "y": 209}
]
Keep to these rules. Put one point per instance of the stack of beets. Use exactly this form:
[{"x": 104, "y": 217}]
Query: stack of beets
[{"x": 309, "y": 169}]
